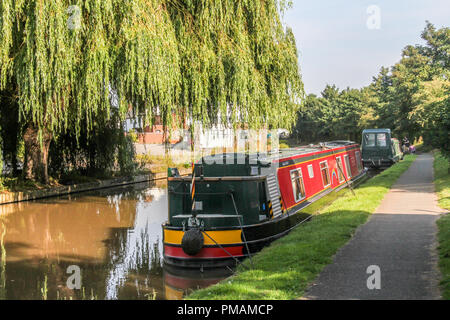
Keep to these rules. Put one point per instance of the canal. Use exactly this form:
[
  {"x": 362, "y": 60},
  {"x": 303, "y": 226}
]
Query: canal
[{"x": 112, "y": 236}]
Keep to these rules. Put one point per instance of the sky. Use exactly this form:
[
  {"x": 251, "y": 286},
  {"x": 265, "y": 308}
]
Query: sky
[{"x": 346, "y": 42}]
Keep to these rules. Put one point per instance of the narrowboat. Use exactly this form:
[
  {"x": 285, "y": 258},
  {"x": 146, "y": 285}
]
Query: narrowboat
[
  {"x": 380, "y": 149},
  {"x": 234, "y": 204}
]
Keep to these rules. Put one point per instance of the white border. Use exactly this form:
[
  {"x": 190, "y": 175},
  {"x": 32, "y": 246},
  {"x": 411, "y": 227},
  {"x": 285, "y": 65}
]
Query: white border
[
  {"x": 299, "y": 170},
  {"x": 339, "y": 171},
  {"x": 329, "y": 177},
  {"x": 349, "y": 172}
]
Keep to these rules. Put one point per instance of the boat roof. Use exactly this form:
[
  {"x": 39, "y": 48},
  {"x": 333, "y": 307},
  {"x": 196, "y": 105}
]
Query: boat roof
[
  {"x": 376, "y": 130},
  {"x": 304, "y": 150},
  {"x": 284, "y": 153}
]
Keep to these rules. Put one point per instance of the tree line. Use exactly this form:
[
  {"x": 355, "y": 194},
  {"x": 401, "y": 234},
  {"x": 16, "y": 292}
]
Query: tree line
[{"x": 412, "y": 98}]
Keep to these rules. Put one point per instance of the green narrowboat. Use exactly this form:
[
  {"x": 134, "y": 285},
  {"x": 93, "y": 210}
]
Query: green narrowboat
[
  {"x": 234, "y": 204},
  {"x": 379, "y": 148}
]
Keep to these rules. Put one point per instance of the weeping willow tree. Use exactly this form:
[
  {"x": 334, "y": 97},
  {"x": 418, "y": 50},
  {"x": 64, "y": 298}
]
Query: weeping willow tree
[{"x": 74, "y": 62}]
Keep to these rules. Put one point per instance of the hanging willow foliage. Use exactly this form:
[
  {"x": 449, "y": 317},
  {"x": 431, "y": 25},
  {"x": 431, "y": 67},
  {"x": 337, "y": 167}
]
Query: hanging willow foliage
[{"x": 192, "y": 59}]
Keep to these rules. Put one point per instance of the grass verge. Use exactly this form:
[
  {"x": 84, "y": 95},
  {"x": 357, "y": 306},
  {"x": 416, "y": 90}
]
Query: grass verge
[
  {"x": 284, "y": 270},
  {"x": 442, "y": 184}
]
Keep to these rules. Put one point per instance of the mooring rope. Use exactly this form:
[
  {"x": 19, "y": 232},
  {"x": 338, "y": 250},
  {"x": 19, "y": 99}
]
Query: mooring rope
[
  {"x": 218, "y": 244},
  {"x": 242, "y": 229},
  {"x": 340, "y": 169}
]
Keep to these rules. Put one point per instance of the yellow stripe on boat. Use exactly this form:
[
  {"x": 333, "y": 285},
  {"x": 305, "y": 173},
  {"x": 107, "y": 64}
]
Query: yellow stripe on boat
[{"x": 221, "y": 237}]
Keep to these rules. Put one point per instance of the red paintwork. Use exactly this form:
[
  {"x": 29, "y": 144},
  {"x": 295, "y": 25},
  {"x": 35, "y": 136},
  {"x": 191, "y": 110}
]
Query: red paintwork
[
  {"x": 315, "y": 185},
  {"x": 208, "y": 252}
]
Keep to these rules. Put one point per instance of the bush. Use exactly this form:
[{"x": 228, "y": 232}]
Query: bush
[{"x": 104, "y": 151}]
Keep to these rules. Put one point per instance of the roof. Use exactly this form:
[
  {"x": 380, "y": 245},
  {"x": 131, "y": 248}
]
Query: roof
[
  {"x": 281, "y": 154},
  {"x": 377, "y": 130}
]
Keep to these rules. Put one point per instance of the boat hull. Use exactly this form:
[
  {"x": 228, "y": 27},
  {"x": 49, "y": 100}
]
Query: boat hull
[{"x": 226, "y": 246}]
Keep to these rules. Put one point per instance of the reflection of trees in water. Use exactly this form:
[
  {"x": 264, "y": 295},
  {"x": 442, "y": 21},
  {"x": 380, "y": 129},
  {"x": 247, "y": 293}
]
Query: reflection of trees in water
[
  {"x": 134, "y": 261},
  {"x": 134, "y": 265},
  {"x": 137, "y": 191}
]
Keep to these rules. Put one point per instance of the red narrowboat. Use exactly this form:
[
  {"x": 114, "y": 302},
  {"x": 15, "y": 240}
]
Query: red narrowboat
[{"x": 235, "y": 204}]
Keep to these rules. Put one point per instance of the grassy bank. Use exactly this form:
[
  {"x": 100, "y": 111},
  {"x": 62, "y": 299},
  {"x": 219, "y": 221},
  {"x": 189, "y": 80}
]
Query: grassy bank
[
  {"x": 442, "y": 183},
  {"x": 286, "y": 268}
]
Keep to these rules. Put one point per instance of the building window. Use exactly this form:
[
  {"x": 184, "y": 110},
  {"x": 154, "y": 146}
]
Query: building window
[
  {"x": 311, "y": 171},
  {"x": 340, "y": 169},
  {"x": 297, "y": 185},
  {"x": 325, "y": 173},
  {"x": 348, "y": 168}
]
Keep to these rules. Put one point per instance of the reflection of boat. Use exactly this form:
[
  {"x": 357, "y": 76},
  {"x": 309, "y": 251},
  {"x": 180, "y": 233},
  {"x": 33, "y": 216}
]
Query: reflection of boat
[
  {"x": 243, "y": 202},
  {"x": 179, "y": 282}
]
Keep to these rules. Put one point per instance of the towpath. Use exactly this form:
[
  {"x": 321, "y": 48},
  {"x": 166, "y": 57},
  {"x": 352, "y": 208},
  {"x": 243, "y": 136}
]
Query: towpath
[{"x": 393, "y": 255}]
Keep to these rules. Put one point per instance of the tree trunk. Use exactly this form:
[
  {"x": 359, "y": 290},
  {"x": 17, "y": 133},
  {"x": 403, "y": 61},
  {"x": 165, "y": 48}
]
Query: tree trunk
[{"x": 36, "y": 154}]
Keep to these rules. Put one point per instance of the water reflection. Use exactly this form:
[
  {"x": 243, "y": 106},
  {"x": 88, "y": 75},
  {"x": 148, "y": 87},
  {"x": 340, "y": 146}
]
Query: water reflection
[
  {"x": 178, "y": 283},
  {"x": 113, "y": 235},
  {"x": 134, "y": 253}
]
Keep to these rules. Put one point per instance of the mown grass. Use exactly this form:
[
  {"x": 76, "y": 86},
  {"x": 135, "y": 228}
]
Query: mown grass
[
  {"x": 442, "y": 184},
  {"x": 284, "y": 270}
]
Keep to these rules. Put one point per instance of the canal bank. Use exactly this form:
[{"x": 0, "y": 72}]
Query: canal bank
[
  {"x": 286, "y": 268},
  {"x": 442, "y": 183},
  {"x": 13, "y": 197}
]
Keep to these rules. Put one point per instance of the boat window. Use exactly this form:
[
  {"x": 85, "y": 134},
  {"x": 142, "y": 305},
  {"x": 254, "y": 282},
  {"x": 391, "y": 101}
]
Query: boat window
[
  {"x": 358, "y": 160},
  {"x": 325, "y": 173},
  {"x": 375, "y": 139},
  {"x": 311, "y": 171},
  {"x": 263, "y": 211},
  {"x": 297, "y": 185},
  {"x": 348, "y": 168},
  {"x": 381, "y": 140},
  {"x": 340, "y": 169},
  {"x": 369, "y": 139}
]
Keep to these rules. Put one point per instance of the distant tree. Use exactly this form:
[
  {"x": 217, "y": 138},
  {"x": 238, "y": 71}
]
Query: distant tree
[
  {"x": 432, "y": 113},
  {"x": 385, "y": 110}
]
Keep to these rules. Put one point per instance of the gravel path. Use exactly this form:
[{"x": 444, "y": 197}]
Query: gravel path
[{"x": 399, "y": 241}]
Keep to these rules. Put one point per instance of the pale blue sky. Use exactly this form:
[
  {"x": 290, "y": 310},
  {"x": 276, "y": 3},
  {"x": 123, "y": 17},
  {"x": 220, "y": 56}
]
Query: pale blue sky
[{"x": 336, "y": 46}]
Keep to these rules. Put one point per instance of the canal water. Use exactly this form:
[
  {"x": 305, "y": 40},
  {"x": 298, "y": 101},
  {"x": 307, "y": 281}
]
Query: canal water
[{"x": 113, "y": 237}]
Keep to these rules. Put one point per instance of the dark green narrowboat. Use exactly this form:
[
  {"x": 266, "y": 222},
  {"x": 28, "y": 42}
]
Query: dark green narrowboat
[{"x": 379, "y": 148}]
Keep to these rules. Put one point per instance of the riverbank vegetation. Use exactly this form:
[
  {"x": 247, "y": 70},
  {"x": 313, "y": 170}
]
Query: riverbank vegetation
[
  {"x": 412, "y": 98},
  {"x": 286, "y": 268},
  {"x": 442, "y": 183}
]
